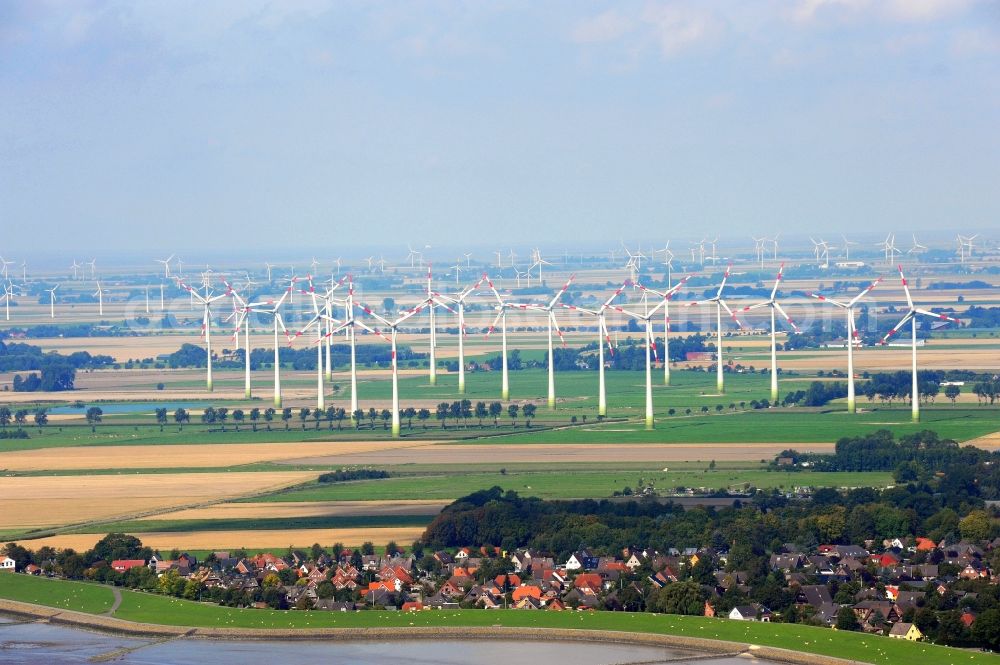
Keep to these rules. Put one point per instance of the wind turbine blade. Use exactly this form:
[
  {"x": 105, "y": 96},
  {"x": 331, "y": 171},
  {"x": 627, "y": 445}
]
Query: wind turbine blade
[
  {"x": 906, "y": 287},
  {"x": 895, "y": 329},
  {"x": 558, "y": 295},
  {"x": 777, "y": 281},
  {"x": 935, "y": 315},
  {"x": 494, "y": 324},
  {"x": 731, "y": 314},
  {"x": 788, "y": 319},
  {"x": 865, "y": 292},
  {"x": 555, "y": 326}
]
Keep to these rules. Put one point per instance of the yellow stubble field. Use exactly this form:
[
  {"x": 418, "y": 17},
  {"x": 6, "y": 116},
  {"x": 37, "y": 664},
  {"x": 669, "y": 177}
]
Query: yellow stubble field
[{"x": 38, "y": 501}]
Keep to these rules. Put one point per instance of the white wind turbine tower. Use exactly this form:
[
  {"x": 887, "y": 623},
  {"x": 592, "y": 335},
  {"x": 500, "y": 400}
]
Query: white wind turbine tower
[
  {"x": 714, "y": 257},
  {"x": 8, "y": 293},
  {"x": 847, "y": 247},
  {"x": 965, "y": 246},
  {"x": 411, "y": 255},
  {"x": 911, "y": 316},
  {"x": 240, "y": 316},
  {"x": 24, "y": 271},
  {"x": 502, "y": 319},
  {"x": 889, "y": 248},
  {"x": 774, "y": 244},
  {"x": 166, "y": 265},
  {"x": 650, "y": 347},
  {"x": 267, "y": 267},
  {"x": 758, "y": 249},
  {"x": 459, "y": 301},
  {"x": 76, "y": 269},
  {"x": 272, "y": 307},
  {"x": 852, "y": 336},
  {"x": 206, "y": 325},
  {"x": 3, "y": 267},
  {"x": 666, "y": 296},
  {"x": 52, "y": 301},
  {"x": 93, "y": 268},
  {"x": 772, "y": 304},
  {"x": 100, "y": 298},
  {"x": 393, "y": 327},
  {"x": 720, "y": 305},
  {"x": 668, "y": 261},
  {"x": 917, "y": 248},
  {"x": 602, "y": 336},
  {"x": 539, "y": 262},
  {"x": 322, "y": 316},
  {"x": 457, "y": 268},
  {"x": 550, "y": 313}
]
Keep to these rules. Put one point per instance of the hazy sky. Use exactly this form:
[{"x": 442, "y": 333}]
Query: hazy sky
[{"x": 295, "y": 122}]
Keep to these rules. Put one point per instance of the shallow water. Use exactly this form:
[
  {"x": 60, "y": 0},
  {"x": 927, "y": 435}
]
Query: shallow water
[{"x": 40, "y": 643}]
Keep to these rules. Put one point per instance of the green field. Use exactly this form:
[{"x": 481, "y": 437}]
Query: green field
[
  {"x": 66, "y": 595},
  {"x": 248, "y": 524},
  {"x": 567, "y": 483},
  {"x": 148, "y": 608}
]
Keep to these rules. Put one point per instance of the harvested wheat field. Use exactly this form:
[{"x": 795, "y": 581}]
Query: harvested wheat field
[
  {"x": 274, "y": 510},
  {"x": 56, "y": 500},
  {"x": 175, "y": 456},
  {"x": 560, "y": 453},
  {"x": 257, "y": 539}
]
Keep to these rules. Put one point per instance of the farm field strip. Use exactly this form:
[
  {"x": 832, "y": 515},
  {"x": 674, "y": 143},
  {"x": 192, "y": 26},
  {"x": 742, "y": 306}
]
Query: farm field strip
[
  {"x": 191, "y": 455},
  {"x": 300, "y": 509},
  {"x": 278, "y": 539},
  {"x": 562, "y": 485},
  {"x": 43, "y": 501}
]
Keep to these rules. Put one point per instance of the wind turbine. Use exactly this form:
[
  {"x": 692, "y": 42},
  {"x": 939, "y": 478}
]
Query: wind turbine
[
  {"x": 166, "y": 265},
  {"x": 411, "y": 255},
  {"x": 852, "y": 335},
  {"x": 772, "y": 304},
  {"x": 459, "y": 301},
  {"x": 720, "y": 305},
  {"x": 911, "y": 315},
  {"x": 273, "y": 307},
  {"x": 917, "y": 248},
  {"x": 76, "y": 268},
  {"x": 93, "y": 268},
  {"x": 52, "y": 301},
  {"x": 666, "y": 296},
  {"x": 100, "y": 298},
  {"x": 240, "y": 316},
  {"x": 502, "y": 319},
  {"x": 847, "y": 247},
  {"x": 650, "y": 347},
  {"x": 322, "y": 315},
  {"x": 3, "y": 267},
  {"x": 431, "y": 300},
  {"x": 550, "y": 313},
  {"x": 668, "y": 261},
  {"x": 393, "y": 327},
  {"x": 602, "y": 336},
  {"x": 8, "y": 293},
  {"x": 206, "y": 325}
]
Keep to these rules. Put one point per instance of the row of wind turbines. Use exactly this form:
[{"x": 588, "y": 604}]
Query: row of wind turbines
[{"x": 336, "y": 311}]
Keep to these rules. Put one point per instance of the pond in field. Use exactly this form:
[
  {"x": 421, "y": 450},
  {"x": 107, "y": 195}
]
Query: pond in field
[
  {"x": 126, "y": 407},
  {"x": 42, "y": 644}
]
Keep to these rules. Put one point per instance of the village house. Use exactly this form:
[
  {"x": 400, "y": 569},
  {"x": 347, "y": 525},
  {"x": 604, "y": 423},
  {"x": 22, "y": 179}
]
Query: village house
[{"x": 905, "y": 631}]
